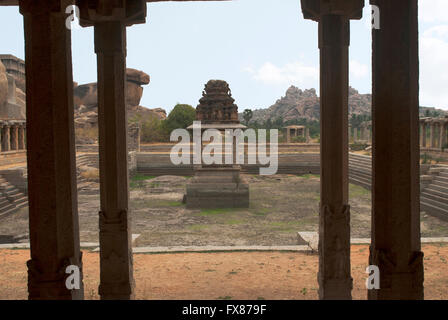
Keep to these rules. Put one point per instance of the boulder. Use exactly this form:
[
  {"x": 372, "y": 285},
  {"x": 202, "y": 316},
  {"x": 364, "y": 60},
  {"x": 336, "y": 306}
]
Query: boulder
[
  {"x": 134, "y": 93},
  {"x": 137, "y": 76},
  {"x": 86, "y": 95}
]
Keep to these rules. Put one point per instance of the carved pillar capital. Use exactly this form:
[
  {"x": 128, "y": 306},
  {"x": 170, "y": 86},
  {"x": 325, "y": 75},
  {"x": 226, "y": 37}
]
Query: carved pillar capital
[{"x": 128, "y": 12}]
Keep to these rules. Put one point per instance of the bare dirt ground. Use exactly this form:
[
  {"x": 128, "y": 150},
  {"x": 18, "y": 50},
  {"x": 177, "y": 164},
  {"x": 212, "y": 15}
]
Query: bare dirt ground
[
  {"x": 280, "y": 206},
  {"x": 230, "y": 275}
]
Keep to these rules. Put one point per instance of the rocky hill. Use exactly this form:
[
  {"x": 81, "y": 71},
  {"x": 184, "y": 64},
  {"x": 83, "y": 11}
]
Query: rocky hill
[{"x": 304, "y": 104}]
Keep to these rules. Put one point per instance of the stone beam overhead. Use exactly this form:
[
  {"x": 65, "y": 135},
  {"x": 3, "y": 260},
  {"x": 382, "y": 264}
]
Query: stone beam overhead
[
  {"x": 16, "y": 2},
  {"x": 315, "y": 9}
]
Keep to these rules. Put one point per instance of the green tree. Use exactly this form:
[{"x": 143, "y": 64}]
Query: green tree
[
  {"x": 180, "y": 117},
  {"x": 247, "y": 116}
]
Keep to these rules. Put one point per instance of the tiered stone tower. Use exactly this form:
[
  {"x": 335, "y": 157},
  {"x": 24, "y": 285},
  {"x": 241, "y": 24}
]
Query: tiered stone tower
[
  {"x": 217, "y": 105},
  {"x": 217, "y": 186}
]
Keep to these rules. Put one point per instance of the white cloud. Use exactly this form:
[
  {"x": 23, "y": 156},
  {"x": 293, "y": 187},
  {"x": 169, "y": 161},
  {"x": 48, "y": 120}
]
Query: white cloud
[
  {"x": 358, "y": 70},
  {"x": 433, "y": 10},
  {"x": 433, "y": 66},
  {"x": 296, "y": 73}
]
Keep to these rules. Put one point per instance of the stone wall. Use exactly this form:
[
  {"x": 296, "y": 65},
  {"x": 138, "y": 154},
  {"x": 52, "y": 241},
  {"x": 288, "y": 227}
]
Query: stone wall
[{"x": 12, "y": 88}]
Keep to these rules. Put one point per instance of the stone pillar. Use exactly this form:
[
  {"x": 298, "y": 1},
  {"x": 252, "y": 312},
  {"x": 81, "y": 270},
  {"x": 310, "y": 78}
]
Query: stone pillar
[
  {"x": 14, "y": 137},
  {"x": 442, "y": 135},
  {"x": 6, "y": 138},
  {"x": 21, "y": 137},
  {"x": 431, "y": 135},
  {"x": 307, "y": 133},
  {"x": 349, "y": 133},
  {"x": 288, "y": 135},
  {"x": 425, "y": 130},
  {"x": 422, "y": 133},
  {"x": 52, "y": 194},
  {"x": 334, "y": 16},
  {"x": 116, "y": 266},
  {"x": 362, "y": 132},
  {"x": 355, "y": 135},
  {"x": 395, "y": 246}
]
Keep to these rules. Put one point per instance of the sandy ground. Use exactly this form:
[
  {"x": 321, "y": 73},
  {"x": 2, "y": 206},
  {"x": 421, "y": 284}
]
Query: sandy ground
[{"x": 231, "y": 275}]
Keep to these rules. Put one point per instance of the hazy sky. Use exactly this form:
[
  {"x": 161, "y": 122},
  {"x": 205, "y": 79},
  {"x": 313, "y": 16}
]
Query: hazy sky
[{"x": 260, "y": 47}]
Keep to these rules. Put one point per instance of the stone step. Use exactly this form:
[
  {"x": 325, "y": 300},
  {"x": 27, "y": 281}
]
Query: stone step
[
  {"x": 441, "y": 179},
  {"x": 433, "y": 191},
  {"x": 6, "y": 213},
  {"x": 439, "y": 183},
  {"x": 428, "y": 194},
  {"x": 7, "y": 207},
  {"x": 360, "y": 171},
  {"x": 438, "y": 187},
  {"x": 360, "y": 182},
  {"x": 433, "y": 202},
  {"x": 434, "y": 210}
]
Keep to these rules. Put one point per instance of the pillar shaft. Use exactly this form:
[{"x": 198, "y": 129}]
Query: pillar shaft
[
  {"x": 442, "y": 135},
  {"x": 422, "y": 133},
  {"x": 21, "y": 138},
  {"x": 395, "y": 246},
  {"x": 425, "y": 127},
  {"x": 52, "y": 195},
  {"x": 14, "y": 137},
  {"x": 6, "y": 138},
  {"x": 334, "y": 277},
  {"x": 431, "y": 135},
  {"x": 115, "y": 236}
]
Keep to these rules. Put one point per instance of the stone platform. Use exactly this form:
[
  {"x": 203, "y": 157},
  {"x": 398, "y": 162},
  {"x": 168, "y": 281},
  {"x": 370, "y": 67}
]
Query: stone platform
[{"x": 217, "y": 187}]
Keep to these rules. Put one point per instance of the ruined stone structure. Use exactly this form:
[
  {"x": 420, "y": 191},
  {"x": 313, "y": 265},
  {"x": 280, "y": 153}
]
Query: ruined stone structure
[
  {"x": 13, "y": 135},
  {"x": 54, "y": 236},
  {"x": 12, "y": 104},
  {"x": 297, "y": 131},
  {"x": 437, "y": 138},
  {"x": 12, "y": 86},
  {"x": 217, "y": 105},
  {"x": 217, "y": 186},
  {"x": 361, "y": 134}
]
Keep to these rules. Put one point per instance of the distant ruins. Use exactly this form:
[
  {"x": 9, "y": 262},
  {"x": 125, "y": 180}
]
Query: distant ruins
[
  {"x": 217, "y": 186},
  {"x": 12, "y": 103}
]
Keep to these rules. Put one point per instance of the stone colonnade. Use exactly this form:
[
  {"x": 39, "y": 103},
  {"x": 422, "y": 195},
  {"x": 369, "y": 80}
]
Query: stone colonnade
[
  {"x": 13, "y": 133},
  {"x": 53, "y": 214},
  {"x": 297, "y": 131},
  {"x": 361, "y": 134},
  {"x": 437, "y": 136}
]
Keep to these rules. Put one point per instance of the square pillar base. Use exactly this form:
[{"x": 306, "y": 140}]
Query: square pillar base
[{"x": 217, "y": 187}]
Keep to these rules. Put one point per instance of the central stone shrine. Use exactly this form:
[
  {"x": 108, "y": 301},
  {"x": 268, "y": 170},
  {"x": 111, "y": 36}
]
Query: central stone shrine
[{"x": 217, "y": 185}]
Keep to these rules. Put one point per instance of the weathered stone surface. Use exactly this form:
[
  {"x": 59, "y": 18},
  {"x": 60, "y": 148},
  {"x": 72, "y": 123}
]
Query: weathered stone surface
[
  {"x": 137, "y": 76},
  {"x": 217, "y": 105},
  {"x": 3, "y": 84},
  {"x": 86, "y": 94}
]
